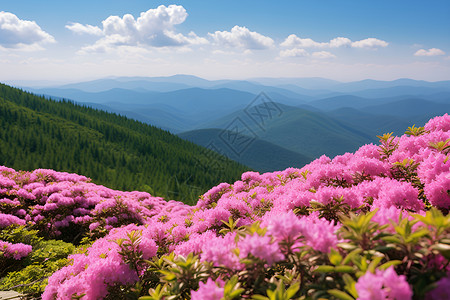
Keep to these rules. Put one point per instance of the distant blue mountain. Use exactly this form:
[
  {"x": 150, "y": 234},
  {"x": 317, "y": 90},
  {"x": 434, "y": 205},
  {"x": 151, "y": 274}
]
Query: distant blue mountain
[
  {"x": 190, "y": 106},
  {"x": 258, "y": 154},
  {"x": 320, "y": 116},
  {"x": 303, "y": 131},
  {"x": 412, "y": 107},
  {"x": 370, "y": 84},
  {"x": 102, "y": 85}
]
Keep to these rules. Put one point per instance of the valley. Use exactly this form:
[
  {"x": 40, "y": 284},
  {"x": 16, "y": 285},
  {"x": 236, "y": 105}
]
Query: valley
[{"x": 314, "y": 116}]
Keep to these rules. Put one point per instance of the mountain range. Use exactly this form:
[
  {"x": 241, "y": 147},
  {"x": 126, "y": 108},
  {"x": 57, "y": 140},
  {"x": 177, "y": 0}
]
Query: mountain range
[{"x": 314, "y": 116}]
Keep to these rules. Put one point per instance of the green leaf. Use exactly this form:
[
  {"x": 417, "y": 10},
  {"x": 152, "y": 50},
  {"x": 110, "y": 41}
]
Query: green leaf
[
  {"x": 374, "y": 263},
  {"x": 350, "y": 285},
  {"x": 381, "y": 235},
  {"x": 344, "y": 269},
  {"x": 340, "y": 294},
  {"x": 392, "y": 239},
  {"x": 292, "y": 290},
  {"x": 168, "y": 275},
  {"x": 417, "y": 235},
  {"x": 324, "y": 269},
  {"x": 334, "y": 257},
  {"x": 390, "y": 263},
  {"x": 236, "y": 293},
  {"x": 384, "y": 249},
  {"x": 351, "y": 255},
  {"x": 260, "y": 297}
]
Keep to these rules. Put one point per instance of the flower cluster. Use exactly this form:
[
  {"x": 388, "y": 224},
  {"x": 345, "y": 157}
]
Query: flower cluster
[
  {"x": 57, "y": 203},
  {"x": 375, "y": 222},
  {"x": 16, "y": 251}
]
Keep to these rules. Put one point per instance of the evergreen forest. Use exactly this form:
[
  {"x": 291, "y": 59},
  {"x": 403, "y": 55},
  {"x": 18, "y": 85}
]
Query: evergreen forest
[{"x": 112, "y": 150}]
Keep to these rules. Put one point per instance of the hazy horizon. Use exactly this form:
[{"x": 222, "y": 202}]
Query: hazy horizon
[
  {"x": 56, "y": 83},
  {"x": 345, "y": 40}
]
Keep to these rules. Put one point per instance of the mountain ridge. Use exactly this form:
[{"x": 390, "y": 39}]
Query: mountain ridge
[{"x": 113, "y": 150}]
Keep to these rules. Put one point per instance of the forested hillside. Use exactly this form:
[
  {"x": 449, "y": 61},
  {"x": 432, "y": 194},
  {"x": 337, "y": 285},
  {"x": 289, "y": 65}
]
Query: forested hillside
[{"x": 110, "y": 149}]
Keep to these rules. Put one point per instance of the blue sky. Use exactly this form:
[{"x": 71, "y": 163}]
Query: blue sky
[{"x": 338, "y": 39}]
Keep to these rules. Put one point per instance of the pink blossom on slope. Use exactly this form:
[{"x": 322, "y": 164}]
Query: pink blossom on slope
[
  {"x": 399, "y": 194},
  {"x": 319, "y": 234},
  {"x": 324, "y": 175},
  {"x": 102, "y": 267},
  {"x": 329, "y": 194},
  {"x": 7, "y": 220},
  {"x": 25, "y": 194},
  {"x": 195, "y": 243},
  {"x": 212, "y": 195},
  {"x": 368, "y": 151},
  {"x": 148, "y": 248},
  {"x": 439, "y": 123},
  {"x": 209, "y": 290},
  {"x": 383, "y": 285},
  {"x": 16, "y": 251},
  {"x": 438, "y": 191},
  {"x": 260, "y": 247},
  {"x": 369, "y": 166},
  {"x": 6, "y": 182},
  {"x": 219, "y": 250},
  {"x": 284, "y": 227},
  {"x": 233, "y": 204},
  {"x": 251, "y": 177},
  {"x": 60, "y": 176},
  {"x": 434, "y": 165},
  {"x": 293, "y": 198}
]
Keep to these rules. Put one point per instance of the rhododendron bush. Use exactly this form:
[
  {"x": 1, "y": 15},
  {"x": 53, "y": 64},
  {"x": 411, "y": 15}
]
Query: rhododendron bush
[{"x": 373, "y": 224}]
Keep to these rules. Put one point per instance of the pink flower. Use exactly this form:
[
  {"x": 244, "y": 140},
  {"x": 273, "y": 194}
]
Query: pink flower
[
  {"x": 383, "y": 285},
  {"x": 432, "y": 166},
  {"x": 219, "y": 250},
  {"x": 260, "y": 247},
  {"x": 7, "y": 220},
  {"x": 16, "y": 251},
  {"x": 319, "y": 234},
  {"x": 195, "y": 243},
  {"x": 399, "y": 194},
  {"x": 209, "y": 290},
  {"x": 438, "y": 191},
  {"x": 99, "y": 269},
  {"x": 284, "y": 227},
  {"x": 439, "y": 123},
  {"x": 148, "y": 248}
]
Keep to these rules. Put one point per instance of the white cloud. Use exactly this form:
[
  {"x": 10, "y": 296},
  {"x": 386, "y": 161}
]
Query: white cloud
[
  {"x": 154, "y": 28},
  {"x": 21, "y": 34},
  {"x": 293, "y": 41},
  {"x": 370, "y": 43},
  {"x": 84, "y": 29},
  {"x": 295, "y": 52},
  {"x": 241, "y": 37},
  {"x": 429, "y": 52},
  {"x": 340, "y": 42},
  {"x": 323, "y": 55}
]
